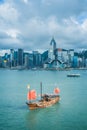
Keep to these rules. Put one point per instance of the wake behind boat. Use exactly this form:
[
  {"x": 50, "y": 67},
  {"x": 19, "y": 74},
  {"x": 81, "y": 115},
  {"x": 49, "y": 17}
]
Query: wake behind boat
[{"x": 45, "y": 101}]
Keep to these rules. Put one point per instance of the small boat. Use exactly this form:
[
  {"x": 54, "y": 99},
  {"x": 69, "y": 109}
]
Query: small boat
[
  {"x": 73, "y": 75},
  {"x": 45, "y": 101}
]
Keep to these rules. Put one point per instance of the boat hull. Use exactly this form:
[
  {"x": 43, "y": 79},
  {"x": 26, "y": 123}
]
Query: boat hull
[
  {"x": 73, "y": 75},
  {"x": 43, "y": 103}
]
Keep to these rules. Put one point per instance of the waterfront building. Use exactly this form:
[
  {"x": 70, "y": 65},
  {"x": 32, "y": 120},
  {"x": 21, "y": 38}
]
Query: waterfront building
[
  {"x": 70, "y": 54},
  {"x": 12, "y": 57},
  {"x": 20, "y": 57},
  {"x": 59, "y": 54},
  {"x": 51, "y": 55},
  {"x": 51, "y": 52},
  {"x": 5, "y": 63},
  {"x": 36, "y": 59},
  {"x": 0, "y": 61},
  {"x": 80, "y": 64},
  {"x": 53, "y": 45},
  {"x": 6, "y": 60},
  {"x": 86, "y": 63},
  {"x": 15, "y": 58},
  {"x": 31, "y": 65},
  {"x": 83, "y": 61},
  {"x": 75, "y": 62},
  {"x": 44, "y": 57},
  {"x": 64, "y": 57},
  {"x": 26, "y": 60}
]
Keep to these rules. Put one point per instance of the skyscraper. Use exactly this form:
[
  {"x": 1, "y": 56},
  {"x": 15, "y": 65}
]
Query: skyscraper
[
  {"x": 36, "y": 58},
  {"x": 52, "y": 50},
  {"x": 20, "y": 57},
  {"x": 53, "y": 45},
  {"x": 26, "y": 61},
  {"x": 12, "y": 57}
]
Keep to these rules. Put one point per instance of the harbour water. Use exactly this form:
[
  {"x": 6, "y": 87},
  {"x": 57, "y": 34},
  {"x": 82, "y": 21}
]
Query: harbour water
[{"x": 69, "y": 114}]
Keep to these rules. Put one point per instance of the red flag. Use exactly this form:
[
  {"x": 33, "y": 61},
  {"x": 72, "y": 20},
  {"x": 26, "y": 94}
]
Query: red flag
[
  {"x": 31, "y": 95},
  {"x": 56, "y": 90}
]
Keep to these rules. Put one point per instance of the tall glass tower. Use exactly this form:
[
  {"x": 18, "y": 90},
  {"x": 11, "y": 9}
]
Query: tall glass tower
[
  {"x": 52, "y": 50},
  {"x": 12, "y": 57},
  {"x": 53, "y": 45},
  {"x": 20, "y": 57}
]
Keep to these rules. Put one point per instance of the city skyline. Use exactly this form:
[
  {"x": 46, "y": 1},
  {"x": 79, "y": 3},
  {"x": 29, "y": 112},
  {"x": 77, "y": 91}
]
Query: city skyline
[
  {"x": 3, "y": 50},
  {"x": 31, "y": 24},
  {"x": 52, "y": 58}
]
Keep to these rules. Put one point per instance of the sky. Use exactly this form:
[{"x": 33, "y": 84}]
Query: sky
[{"x": 31, "y": 24}]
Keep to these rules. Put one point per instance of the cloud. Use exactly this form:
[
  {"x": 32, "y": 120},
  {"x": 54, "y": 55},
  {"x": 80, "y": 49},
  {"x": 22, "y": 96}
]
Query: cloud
[
  {"x": 31, "y": 24},
  {"x": 8, "y": 13},
  {"x": 2, "y": 52},
  {"x": 25, "y": 1},
  {"x": 13, "y": 33},
  {"x": 8, "y": 39}
]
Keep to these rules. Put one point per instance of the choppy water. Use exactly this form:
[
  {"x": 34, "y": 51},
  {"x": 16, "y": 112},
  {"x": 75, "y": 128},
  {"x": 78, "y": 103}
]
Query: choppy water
[{"x": 69, "y": 114}]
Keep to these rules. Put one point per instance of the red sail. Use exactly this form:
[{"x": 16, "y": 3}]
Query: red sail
[
  {"x": 56, "y": 90},
  {"x": 31, "y": 95}
]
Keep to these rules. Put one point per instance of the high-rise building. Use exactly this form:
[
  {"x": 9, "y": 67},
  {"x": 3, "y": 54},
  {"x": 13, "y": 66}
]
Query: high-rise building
[
  {"x": 26, "y": 61},
  {"x": 80, "y": 64},
  {"x": 12, "y": 57},
  {"x": 36, "y": 58},
  {"x": 53, "y": 45},
  {"x": 15, "y": 58},
  {"x": 52, "y": 52},
  {"x": 86, "y": 63},
  {"x": 59, "y": 54},
  {"x": 64, "y": 56},
  {"x": 20, "y": 57},
  {"x": 75, "y": 61},
  {"x": 31, "y": 65},
  {"x": 70, "y": 53},
  {"x": 0, "y": 61}
]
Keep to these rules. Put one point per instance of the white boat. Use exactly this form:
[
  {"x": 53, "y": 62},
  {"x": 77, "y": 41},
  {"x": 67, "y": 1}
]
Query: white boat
[{"x": 73, "y": 75}]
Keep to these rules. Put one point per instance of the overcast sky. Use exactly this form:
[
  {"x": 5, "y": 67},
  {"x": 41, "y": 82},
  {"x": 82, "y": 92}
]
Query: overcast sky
[{"x": 31, "y": 24}]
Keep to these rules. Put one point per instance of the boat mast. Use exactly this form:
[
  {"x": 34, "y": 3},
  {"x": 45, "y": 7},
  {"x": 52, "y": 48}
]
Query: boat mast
[
  {"x": 29, "y": 100},
  {"x": 41, "y": 89}
]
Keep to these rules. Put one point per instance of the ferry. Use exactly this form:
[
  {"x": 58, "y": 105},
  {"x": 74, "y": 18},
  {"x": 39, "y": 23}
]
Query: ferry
[{"x": 73, "y": 75}]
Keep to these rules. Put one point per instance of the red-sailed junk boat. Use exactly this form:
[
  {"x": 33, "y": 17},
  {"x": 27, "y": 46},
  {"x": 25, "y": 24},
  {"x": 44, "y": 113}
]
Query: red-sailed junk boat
[{"x": 46, "y": 99}]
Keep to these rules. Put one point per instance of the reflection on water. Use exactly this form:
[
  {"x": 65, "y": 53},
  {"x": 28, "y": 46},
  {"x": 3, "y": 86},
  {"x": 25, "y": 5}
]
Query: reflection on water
[{"x": 42, "y": 118}]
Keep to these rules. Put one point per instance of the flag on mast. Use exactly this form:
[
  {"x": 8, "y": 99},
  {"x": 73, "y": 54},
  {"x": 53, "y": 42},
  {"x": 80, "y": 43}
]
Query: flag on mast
[{"x": 28, "y": 86}]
